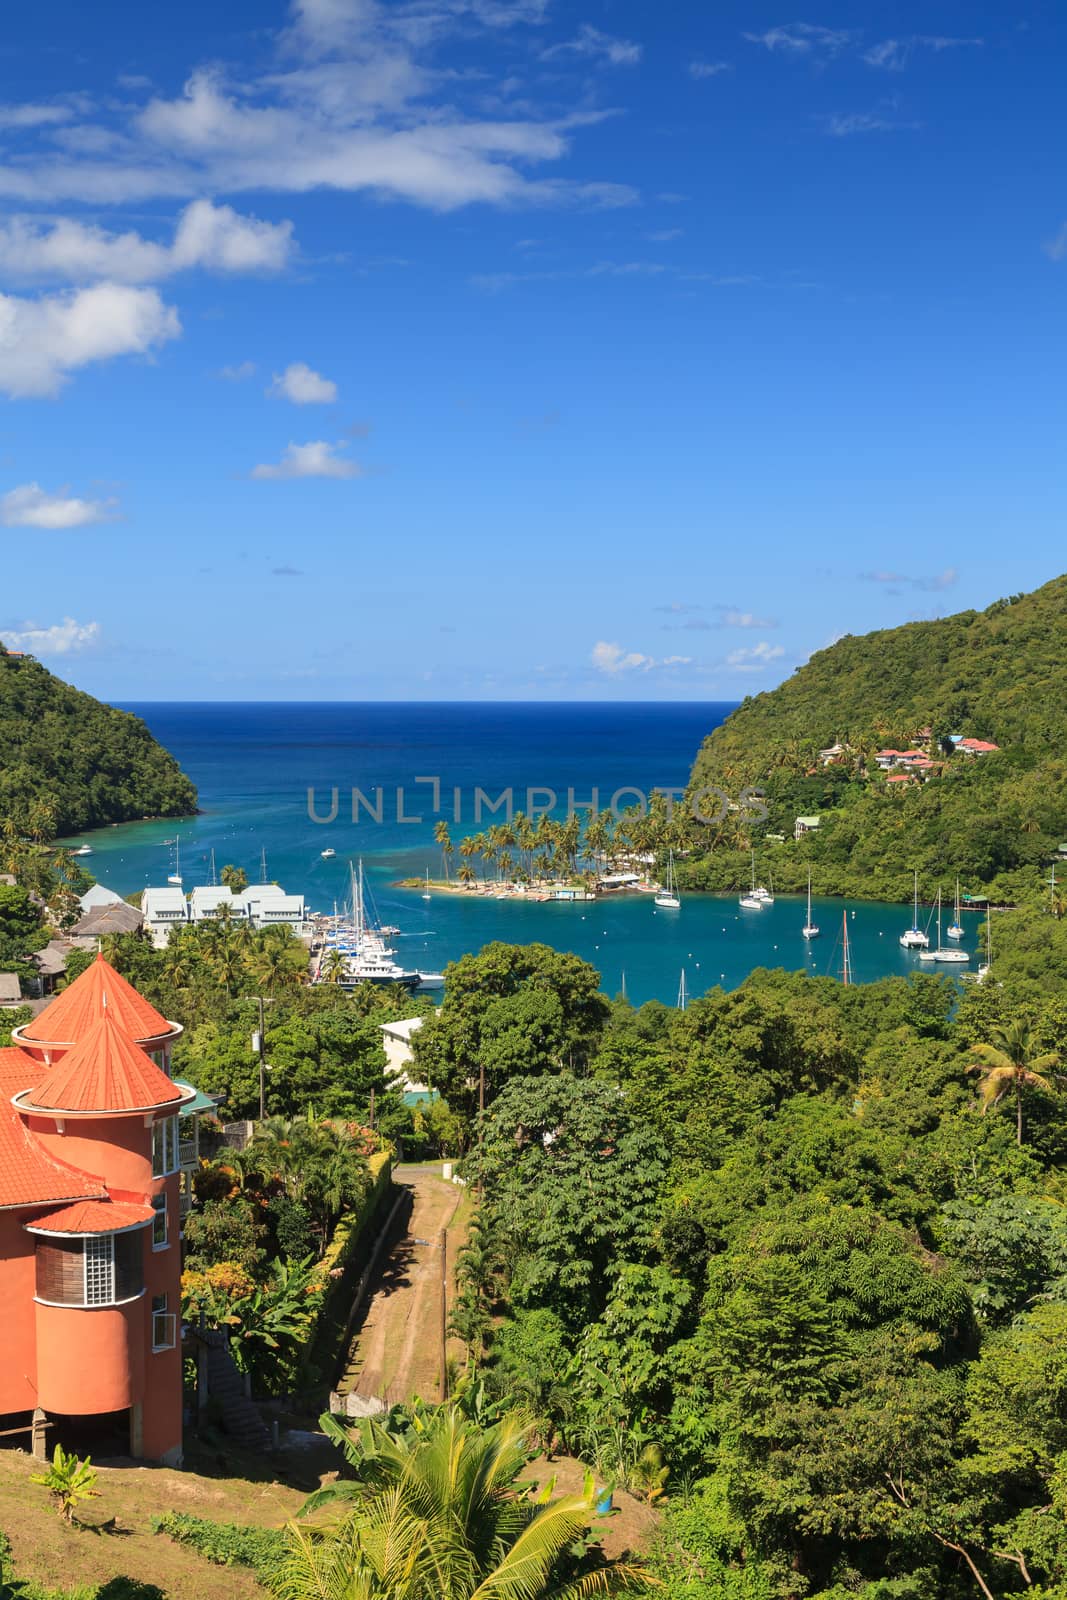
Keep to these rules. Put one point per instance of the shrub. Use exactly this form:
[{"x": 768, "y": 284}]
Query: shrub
[{"x": 227, "y": 1544}]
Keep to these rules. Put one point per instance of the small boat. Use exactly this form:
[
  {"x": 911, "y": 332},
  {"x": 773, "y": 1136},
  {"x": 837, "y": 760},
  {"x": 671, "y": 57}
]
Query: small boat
[
  {"x": 809, "y": 930},
  {"x": 754, "y": 900},
  {"x": 666, "y": 897},
  {"x": 327, "y": 855},
  {"x": 987, "y": 965},
  {"x": 175, "y": 877},
  {"x": 426, "y": 895},
  {"x": 955, "y": 927},
  {"x": 83, "y": 850},
  {"x": 914, "y": 938},
  {"x": 431, "y": 980},
  {"x": 846, "y": 953},
  {"x": 940, "y": 953}
]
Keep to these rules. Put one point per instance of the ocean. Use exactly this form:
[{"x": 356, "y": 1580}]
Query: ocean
[{"x": 416, "y": 764}]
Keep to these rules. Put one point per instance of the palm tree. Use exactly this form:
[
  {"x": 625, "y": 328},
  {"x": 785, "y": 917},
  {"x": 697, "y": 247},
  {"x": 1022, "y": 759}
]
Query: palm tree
[
  {"x": 444, "y": 839},
  {"x": 436, "y": 1512},
  {"x": 334, "y": 966},
  {"x": 1009, "y": 1066}
]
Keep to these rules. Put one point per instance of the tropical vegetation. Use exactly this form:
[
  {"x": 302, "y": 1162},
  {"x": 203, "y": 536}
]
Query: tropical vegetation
[{"x": 69, "y": 762}]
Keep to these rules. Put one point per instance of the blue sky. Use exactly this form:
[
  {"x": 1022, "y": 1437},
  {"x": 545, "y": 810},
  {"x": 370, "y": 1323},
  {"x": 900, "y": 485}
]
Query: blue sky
[{"x": 519, "y": 348}]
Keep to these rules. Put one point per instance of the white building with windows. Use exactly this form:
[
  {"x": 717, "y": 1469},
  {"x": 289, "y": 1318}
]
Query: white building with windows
[
  {"x": 206, "y": 903},
  {"x": 164, "y": 909}
]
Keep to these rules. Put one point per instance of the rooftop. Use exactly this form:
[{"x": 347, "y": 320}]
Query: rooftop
[
  {"x": 27, "y": 1176},
  {"x": 94, "y": 1216},
  {"x": 106, "y": 1072},
  {"x": 83, "y": 1002}
]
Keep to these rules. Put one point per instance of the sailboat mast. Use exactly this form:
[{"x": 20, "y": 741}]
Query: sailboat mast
[
  {"x": 682, "y": 995},
  {"x": 846, "y": 962}
]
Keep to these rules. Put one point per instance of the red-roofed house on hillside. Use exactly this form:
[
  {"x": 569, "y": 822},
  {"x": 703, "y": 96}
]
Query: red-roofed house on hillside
[
  {"x": 976, "y": 747},
  {"x": 90, "y": 1234}
]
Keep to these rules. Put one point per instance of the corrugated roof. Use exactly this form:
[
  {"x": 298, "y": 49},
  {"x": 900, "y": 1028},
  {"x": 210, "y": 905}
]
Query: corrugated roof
[
  {"x": 105, "y": 1071},
  {"x": 83, "y": 1002},
  {"x": 28, "y": 1176},
  {"x": 94, "y": 1216}
]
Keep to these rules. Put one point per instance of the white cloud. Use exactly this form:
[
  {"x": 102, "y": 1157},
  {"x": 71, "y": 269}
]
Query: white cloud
[
  {"x": 612, "y": 659},
  {"x": 803, "y": 39},
  {"x": 731, "y": 618},
  {"x": 842, "y": 127},
  {"x": 43, "y": 341},
  {"x": 709, "y": 69},
  {"x": 1056, "y": 248},
  {"x": 216, "y": 238},
  {"x": 591, "y": 42},
  {"x": 33, "y": 116},
  {"x": 755, "y": 658},
  {"x": 30, "y": 506},
  {"x": 357, "y": 101},
  {"x": 319, "y": 459},
  {"x": 61, "y": 639},
  {"x": 303, "y": 386},
  {"x": 239, "y": 372},
  {"x": 933, "y": 583},
  {"x": 894, "y": 54}
]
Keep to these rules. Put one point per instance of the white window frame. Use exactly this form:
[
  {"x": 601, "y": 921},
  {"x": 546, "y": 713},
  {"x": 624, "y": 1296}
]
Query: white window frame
[
  {"x": 164, "y": 1325},
  {"x": 98, "y": 1258},
  {"x": 165, "y": 1147},
  {"x": 161, "y": 1209}
]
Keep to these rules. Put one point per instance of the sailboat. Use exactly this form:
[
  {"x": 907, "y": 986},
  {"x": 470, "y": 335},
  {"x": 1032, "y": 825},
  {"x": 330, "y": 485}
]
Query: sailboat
[
  {"x": 426, "y": 895},
  {"x": 846, "y": 952},
  {"x": 914, "y": 938},
  {"x": 176, "y": 875},
  {"x": 987, "y": 965},
  {"x": 666, "y": 898},
  {"x": 809, "y": 930},
  {"x": 955, "y": 927},
  {"x": 755, "y": 900},
  {"x": 941, "y": 954},
  {"x": 683, "y": 993}
]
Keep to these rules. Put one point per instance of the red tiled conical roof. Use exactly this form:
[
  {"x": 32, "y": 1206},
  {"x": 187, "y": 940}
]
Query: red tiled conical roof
[
  {"x": 28, "y": 1177},
  {"x": 70, "y": 1016},
  {"x": 105, "y": 1071},
  {"x": 93, "y": 1216}
]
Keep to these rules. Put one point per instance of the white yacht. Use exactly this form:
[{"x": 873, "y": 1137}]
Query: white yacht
[
  {"x": 83, "y": 850},
  {"x": 809, "y": 930},
  {"x": 755, "y": 899},
  {"x": 666, "y": 898},
  {"x": 327, "y": 855},
  {"x": 941, "y": 953},
  {"x": 955, "y": 927},
  {"x": 914, "y": 938}
]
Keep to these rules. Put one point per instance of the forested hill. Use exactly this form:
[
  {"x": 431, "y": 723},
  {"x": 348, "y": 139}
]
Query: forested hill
[
  {"x": 64, "y": 753},
  {"x": 998, "y": 675}
]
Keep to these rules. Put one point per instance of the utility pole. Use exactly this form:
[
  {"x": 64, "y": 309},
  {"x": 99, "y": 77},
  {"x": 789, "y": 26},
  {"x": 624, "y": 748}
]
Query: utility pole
[
  {"x": 443, "y": 1250},
  {"x": 262, "y": 1065}
]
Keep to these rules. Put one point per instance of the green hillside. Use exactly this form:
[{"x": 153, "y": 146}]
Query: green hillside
[
  {"x": 998, "y": 675},
  {"x": 87, "y": 764}
]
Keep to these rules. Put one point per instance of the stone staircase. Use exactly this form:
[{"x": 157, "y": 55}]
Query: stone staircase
[{"x": 225, "y": 1385}]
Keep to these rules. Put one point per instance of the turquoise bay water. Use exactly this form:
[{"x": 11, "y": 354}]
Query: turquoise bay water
[{"x": 254, "y": 763}]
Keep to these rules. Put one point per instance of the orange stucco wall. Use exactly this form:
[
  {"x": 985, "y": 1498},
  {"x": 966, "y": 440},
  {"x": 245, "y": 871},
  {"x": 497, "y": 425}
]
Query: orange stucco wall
[
  {"x": 117, "y": 1150},
  {"x": 18, "y": 1354},
  {"x": 90, "y": 1361}
]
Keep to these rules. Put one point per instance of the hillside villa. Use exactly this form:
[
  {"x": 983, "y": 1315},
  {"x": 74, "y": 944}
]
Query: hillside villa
[{"x": 97, "y": 1142}]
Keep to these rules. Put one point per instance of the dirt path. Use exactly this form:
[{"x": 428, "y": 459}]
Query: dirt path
[{"x": 395, "y": 1352}]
